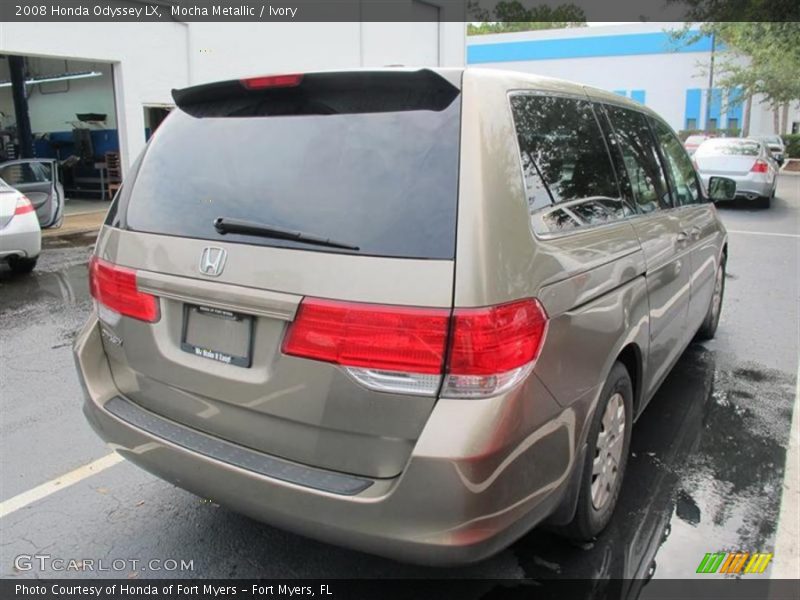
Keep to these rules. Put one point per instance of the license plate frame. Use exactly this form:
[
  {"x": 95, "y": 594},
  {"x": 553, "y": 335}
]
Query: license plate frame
[{"x": 247, "y": 322}]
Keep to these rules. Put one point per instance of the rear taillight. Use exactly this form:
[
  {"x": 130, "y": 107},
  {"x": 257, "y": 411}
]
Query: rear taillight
[
  {"x": 370, "y": 336},
  {"x": 402, "y": 349},
  {"x": 23, "y": 206},
  {"x": 492, "y": 348},
  {"x": 114, "y": 287},
  {"x": 760, "y": 167},
  {"x": 272, "y": 81}
]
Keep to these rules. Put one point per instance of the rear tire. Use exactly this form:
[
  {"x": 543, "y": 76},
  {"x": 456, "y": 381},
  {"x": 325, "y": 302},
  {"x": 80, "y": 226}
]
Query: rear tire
[
  {"x": 22, "y": 266},
  {"x": 608, "y": 444},
  {"x": 709, "y": 326},
  {"x": 764, "y": 201}
]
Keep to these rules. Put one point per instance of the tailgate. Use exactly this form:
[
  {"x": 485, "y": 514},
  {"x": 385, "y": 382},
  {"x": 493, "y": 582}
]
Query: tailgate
[{"x": 378, "y": 171}]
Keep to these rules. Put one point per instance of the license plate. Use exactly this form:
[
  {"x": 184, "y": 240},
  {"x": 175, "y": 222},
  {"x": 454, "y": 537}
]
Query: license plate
[{"x": 218, "y": 334}]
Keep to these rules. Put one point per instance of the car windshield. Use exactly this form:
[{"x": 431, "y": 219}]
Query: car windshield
[{"x": 728, "y": 147}]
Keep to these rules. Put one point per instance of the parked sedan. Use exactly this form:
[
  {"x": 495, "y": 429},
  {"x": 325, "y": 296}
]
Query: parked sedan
[
  {"x": 20, "y": 235},
  {"x": 775, "y": 144},
  {"x": 746, "y": 161},
  {"x": 38, "y": 179},
  {"x": 693, "y": 142}
]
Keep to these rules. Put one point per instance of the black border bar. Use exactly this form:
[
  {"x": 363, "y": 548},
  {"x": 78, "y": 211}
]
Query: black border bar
[{"x": 231, "y": 11}]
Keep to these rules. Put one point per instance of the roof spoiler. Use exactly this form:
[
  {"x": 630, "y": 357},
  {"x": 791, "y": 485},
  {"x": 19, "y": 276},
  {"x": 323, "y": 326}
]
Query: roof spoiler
[{"x": 341, "y": 92}]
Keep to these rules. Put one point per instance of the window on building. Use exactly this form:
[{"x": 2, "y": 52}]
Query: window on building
[
  {"x": 712, "y": 124},
  {"x": 640, "y": 158},
  {"x": 691, "y": 123},
  {"x": 569, "y": 178},
  {"x": 686, "y": 189},
  {"x": 733, "y": 123}
]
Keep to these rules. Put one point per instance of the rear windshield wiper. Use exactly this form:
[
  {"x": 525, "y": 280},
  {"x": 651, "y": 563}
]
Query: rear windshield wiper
[{"x": 225, "y": 225}]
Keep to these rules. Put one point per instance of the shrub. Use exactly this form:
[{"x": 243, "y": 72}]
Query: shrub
[{"x": 792, "y": 142}]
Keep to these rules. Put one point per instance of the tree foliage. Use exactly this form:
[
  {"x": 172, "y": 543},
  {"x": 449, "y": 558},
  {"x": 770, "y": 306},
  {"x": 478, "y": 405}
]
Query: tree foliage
[
  {"x": 510, "y": 16},
  {"x": 762, "y": 43},
  {"x": 761, "y": 58}
]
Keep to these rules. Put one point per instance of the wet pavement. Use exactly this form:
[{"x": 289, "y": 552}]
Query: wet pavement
[{"x": 705, "y": 475}]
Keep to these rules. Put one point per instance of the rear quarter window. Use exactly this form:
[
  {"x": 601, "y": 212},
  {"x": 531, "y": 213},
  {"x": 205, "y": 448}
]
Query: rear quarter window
[{"x": 569, "y": 178}]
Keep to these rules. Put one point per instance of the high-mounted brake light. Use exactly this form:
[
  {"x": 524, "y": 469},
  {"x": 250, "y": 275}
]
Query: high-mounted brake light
[
  {"x": 23, "y": 206},
  {"x": 760, "y": 166},
  {"x": 402, "y": 349},
  {"x": 272, "y": 81},
  {"x": 115, "y": 288}
]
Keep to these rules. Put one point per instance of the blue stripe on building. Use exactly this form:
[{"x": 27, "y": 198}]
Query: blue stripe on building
[
  {"x": 621, "y": 93},
  {"x": 582, "y": 47},
  {"x": 638, "y": 95},
  {"x": 692, "y": 110},
  {"x": 715, "y": 108},
  {"x": 735, "y": 108}
]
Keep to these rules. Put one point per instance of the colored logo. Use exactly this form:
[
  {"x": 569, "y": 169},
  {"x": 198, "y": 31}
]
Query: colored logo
[{"x": 734, "y": 563}]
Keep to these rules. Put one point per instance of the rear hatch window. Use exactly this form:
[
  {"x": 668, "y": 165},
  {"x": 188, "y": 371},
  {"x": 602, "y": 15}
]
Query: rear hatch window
[{"x": 368, "y": 160}]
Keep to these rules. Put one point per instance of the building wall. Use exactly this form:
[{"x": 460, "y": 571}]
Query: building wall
[
  {"x": 637, "y": 60},
  {"x": 150, "y": 59}
]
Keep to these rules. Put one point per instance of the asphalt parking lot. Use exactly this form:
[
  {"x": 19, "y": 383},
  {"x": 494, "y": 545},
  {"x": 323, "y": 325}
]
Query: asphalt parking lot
[{"x": 707, "y": 472}]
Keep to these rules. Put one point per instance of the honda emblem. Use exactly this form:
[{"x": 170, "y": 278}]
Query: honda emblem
[{"x": 212, "y": 261}]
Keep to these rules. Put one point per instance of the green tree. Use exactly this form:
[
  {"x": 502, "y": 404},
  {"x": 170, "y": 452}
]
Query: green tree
[
  {"x": 510, "y": 16},
  {"x": 760, "y": 58}
]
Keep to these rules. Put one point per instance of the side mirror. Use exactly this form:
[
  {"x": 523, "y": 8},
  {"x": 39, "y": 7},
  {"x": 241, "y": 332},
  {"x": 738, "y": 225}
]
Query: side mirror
[{"x": 721, "y": 188}]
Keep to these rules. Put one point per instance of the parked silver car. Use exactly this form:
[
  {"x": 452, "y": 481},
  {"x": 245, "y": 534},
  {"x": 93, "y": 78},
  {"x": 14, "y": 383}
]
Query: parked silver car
[
  {"x": 414, "y": 312},
  {"x": 775, "y": 145},
  {"x": 746, "y": 161},
  {"x": 20, "y": 235}
]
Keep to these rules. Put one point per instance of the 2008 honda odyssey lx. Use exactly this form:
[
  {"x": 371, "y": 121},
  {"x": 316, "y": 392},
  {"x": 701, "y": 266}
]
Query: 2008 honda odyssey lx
[{"x": 413, "y": 312}]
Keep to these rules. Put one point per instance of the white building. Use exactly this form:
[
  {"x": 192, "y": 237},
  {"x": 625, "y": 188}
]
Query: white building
[
  {"x": 123, "y": 69},
  {"x": 637, "y": 60}
]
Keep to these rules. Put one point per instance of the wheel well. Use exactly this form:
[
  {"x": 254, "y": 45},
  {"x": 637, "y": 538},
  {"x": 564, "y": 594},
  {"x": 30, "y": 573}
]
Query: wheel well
[
  {"x": 631, "y": 358},
  {"x": 725, "y": 252}
]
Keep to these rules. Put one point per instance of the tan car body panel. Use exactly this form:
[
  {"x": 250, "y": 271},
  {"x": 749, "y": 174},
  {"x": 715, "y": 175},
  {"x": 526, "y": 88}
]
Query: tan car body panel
[{"x": 452, "y": 481}]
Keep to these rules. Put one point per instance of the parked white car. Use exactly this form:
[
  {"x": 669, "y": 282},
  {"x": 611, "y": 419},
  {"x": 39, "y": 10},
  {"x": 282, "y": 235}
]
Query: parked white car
[
  {"x": 38, "y": 179},
  {"x": 776, "y": 146},
  {"x": 20, "y": 234},
  {"x": 748, "y": 162}
]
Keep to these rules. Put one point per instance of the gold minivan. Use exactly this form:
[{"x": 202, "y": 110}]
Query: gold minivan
[{"x": 413, "y": 312}]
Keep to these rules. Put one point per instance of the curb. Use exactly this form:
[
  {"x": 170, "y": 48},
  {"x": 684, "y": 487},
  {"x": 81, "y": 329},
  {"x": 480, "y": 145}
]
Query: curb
[
  {"x": 784, "y": 171},
  {"x": 57, "y": 233}
]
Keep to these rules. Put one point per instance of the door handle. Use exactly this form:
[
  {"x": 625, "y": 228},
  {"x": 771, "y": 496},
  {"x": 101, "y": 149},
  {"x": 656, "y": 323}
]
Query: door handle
[{"x": 682, "y": 238}]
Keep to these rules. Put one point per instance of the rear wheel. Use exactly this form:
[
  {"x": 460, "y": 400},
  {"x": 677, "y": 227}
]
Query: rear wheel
[
  {"x": 606, "y": 458},
  {"x": 20, "y": 265},
  {"x": 709, "y": 326},
  {"x": 765, "y": 201}
]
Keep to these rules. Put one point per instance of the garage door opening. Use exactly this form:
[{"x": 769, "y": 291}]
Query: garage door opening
[{"x": 73, "y": 126}]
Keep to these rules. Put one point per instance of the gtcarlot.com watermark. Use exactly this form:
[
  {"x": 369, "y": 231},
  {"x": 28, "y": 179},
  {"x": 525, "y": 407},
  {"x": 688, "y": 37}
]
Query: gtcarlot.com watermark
[{"x": 47, "y": 562}]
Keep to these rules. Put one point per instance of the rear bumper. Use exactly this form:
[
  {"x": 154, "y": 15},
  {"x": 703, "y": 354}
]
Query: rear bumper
[
  {"x": 748, "y": 187},
  {"x": 465, "y": 493},
  {"x": 21, "y": 237}
]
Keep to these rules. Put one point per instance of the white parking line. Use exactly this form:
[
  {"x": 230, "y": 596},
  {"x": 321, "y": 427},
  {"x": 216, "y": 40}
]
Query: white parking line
[
  {"x": 789, "y": 235},
  {"x": 787, "y": 538},
  {"x": 59, "y": 483}
]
